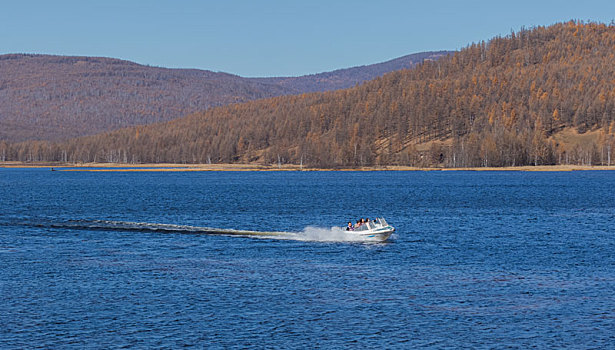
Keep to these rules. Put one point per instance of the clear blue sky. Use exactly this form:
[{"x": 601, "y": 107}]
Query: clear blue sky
[{"x": 271, "y": 38}]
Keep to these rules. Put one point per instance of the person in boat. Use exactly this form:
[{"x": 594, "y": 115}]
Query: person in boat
[
  {"x": 358, "y": 224},
  {"x": 349, "y": 227}
]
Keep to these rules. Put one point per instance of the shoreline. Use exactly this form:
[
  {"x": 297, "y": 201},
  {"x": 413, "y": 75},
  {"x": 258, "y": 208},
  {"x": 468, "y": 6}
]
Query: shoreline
[{"x": 117, "y": 167}]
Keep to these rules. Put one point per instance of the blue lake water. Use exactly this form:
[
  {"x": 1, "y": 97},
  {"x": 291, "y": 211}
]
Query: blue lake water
[{"x": 479, "y": 259}]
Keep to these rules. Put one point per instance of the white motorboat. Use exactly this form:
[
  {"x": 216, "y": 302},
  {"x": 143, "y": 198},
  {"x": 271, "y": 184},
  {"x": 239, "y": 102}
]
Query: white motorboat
[{"x": 374, "y": 230}]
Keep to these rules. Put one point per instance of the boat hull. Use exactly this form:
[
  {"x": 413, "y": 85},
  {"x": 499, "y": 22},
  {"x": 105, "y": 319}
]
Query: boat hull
[{"x": 377, "y": 235}]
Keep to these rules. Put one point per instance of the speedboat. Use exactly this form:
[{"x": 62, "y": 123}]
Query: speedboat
[{"x": 375, "y": 230}]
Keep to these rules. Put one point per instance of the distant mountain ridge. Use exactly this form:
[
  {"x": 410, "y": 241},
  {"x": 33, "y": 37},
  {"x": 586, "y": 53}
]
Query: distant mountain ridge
[
  {"x": 45, "y": 97},
  {"x": 349, "y": 77},
  {"x": 55, "y": 97}
]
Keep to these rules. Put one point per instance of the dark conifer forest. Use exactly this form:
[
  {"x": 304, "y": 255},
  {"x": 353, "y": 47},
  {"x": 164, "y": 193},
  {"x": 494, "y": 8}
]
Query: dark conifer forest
[{"x": 539, "y": 96}]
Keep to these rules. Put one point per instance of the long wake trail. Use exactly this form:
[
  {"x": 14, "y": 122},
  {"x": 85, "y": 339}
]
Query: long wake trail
[{"x": 309, "y": 233}]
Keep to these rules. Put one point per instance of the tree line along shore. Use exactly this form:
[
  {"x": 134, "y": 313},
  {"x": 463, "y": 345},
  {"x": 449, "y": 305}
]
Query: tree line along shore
[{"x": 271, "y": 167}]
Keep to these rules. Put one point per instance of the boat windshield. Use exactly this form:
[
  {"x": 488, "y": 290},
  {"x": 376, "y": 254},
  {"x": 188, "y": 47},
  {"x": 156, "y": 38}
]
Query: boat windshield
[{"x": 372, "y": 225}]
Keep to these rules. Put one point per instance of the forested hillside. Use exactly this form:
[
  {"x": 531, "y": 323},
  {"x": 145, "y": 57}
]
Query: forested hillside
[
  {"x": 56, "y": 97},
  {"x": 349, "y": 77},
  {"x": 498, "y": 103}
]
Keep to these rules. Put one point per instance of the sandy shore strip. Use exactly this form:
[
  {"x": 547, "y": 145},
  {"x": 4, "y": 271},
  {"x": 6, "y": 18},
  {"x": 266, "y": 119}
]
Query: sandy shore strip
[{"x": 273, "y": 167}]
